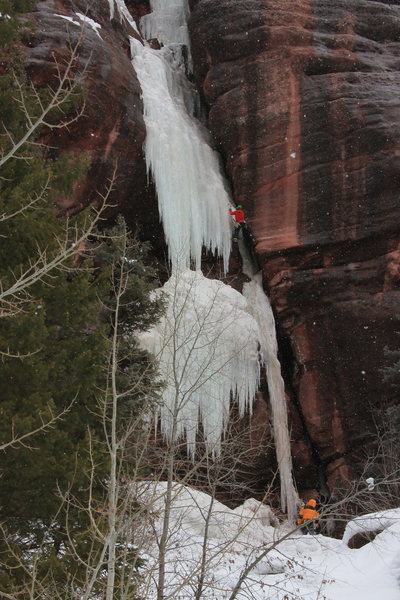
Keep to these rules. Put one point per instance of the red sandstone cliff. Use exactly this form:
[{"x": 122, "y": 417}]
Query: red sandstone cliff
[
  {"x": 112, "y": 131},
  {"x": 304, "y": 105}
]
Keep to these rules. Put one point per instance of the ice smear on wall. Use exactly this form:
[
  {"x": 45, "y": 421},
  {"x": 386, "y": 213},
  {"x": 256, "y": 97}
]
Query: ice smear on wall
[
  {"x": 167, "y": 22},
  {"x": 207, "y": 348},
  {"x": 193, "y": 202},
  {"x": 123, "y": 12},
  {"x": 260, "y": 309}
]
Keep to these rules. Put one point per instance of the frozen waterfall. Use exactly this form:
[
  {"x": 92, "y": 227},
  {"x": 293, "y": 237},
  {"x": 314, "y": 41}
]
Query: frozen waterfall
[
  {"x": 208, "y": 341},
  {"x": 207, "y": 347}
]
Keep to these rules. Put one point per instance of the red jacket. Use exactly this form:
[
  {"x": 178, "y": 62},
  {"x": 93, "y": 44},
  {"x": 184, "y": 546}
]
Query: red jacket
[{"x": 239, "y": 215}]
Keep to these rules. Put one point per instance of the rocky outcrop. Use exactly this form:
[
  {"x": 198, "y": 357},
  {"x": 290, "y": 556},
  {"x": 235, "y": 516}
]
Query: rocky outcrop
[
  {"x": 110, "y": 134},
  {"x": 304, "y": 104}
]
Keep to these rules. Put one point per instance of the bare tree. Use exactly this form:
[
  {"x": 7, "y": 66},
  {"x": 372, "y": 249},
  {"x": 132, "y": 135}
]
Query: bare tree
[
  {"x": 106, "y": 563},
  {"x": 42, "y": 110},
  {"x": 210, "y": 466}
]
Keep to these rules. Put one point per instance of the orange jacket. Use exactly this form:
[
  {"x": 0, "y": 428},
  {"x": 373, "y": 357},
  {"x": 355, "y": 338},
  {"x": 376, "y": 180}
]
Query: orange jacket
[
  {"x": 239, "y": 215},
  {"x": 307, "y": 513}
]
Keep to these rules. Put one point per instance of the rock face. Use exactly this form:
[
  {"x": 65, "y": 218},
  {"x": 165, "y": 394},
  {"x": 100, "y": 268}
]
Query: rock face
[
  {"x": 304, "y": 104},
  {"x": 111, "y": 132}
]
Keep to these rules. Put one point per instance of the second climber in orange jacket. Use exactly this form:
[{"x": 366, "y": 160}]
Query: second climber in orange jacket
[
  {"x": 240, "y": 220},
  {"x": 308, "y": 517}
]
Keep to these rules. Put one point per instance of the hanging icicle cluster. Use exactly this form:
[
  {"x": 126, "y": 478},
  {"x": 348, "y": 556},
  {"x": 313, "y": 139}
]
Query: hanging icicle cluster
[
  {"x": 192, "y": 197},
  {"x": 207, "y": 348}
]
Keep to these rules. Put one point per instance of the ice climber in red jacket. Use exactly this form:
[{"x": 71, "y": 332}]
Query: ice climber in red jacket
[{"x": 240, "y": 220}]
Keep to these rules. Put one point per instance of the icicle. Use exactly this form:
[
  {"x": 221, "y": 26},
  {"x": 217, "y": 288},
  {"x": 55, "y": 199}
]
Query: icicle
[
  {"x": 193, "y": 201},
  {"x": 207, "y": 348},
  {"x": 260, "y": 309}
]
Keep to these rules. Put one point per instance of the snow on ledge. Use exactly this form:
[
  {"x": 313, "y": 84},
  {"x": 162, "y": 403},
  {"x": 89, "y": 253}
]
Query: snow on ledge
[
  {"x": 82, "y": 19},
  {"x": 93, "y": 24}
]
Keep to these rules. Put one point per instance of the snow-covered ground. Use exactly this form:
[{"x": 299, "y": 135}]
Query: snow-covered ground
[{"x": 287, "y": 565}]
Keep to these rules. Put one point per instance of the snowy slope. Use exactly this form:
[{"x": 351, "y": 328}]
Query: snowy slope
[{"x": 297, "y": 568}]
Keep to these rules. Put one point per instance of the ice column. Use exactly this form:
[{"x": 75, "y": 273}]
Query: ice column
[
  {"x": 260, "y": 308},
  {"x": 207, "y": 347}
]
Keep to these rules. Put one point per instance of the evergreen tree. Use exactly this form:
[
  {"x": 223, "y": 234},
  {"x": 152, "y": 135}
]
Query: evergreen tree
[
  {"x": 55, "y": 343},
  {"x": 42, "y": 330},
  {"x": 138, "y": 311},
  {"x": 61, "y": 460}
]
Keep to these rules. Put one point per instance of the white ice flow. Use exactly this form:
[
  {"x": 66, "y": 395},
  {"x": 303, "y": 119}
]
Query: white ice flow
[
  {"x": 167, "y": 22},
  {"x": 192, "y": 199},
  {"x": 192, "y": 196},
  {"x": 260, "y": 309},
  {"x": 207, "y": 348}
]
